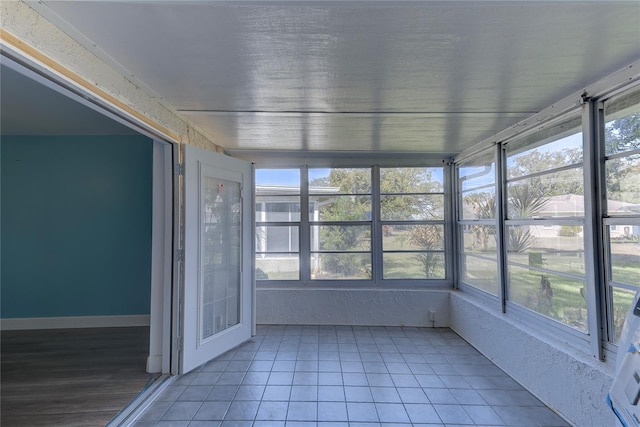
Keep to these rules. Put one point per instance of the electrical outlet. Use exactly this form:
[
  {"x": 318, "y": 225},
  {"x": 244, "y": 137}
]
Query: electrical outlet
[{"x": 432, "y": 315}]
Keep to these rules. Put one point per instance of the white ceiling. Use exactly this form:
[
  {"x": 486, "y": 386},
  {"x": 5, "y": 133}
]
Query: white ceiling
[{"x": 391, "y": 76}]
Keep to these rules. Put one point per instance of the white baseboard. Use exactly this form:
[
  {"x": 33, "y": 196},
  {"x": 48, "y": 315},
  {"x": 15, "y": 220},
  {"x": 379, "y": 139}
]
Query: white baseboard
[
  {"x": 154, "y": 364},
  {"x": 73, "y": 322}
]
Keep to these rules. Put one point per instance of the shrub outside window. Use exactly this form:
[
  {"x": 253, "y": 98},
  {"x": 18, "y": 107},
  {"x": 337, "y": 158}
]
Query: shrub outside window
[{"x": 340, "y": 221}]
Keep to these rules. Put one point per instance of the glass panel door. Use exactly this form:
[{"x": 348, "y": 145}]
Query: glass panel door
[{"x": 218, "y": 289}]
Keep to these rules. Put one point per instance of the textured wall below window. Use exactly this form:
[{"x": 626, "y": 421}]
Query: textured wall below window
[
  {"x": 76, "y": 225},
  {"x": 371, "y": 307},
  {"x": 571, "y": 382}
]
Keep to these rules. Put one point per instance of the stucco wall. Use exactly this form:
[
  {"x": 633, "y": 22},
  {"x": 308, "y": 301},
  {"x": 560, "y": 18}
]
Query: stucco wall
[
  {"x": 572, "y": 383},
  {"x": 352, "y": 307}
]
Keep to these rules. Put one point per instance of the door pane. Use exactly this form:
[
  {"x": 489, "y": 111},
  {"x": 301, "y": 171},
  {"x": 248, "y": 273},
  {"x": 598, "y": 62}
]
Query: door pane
[{"x": 221, "y": 254}]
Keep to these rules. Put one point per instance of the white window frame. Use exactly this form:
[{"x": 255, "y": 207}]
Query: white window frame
[
  {"x": 610, "y": 221},
  {"x": 597, "y": 258},
  {"x": 337, "y": 160}
]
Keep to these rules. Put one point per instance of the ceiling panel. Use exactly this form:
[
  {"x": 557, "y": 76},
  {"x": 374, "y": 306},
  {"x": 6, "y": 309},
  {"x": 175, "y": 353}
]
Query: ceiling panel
[
  {"x": 388, "y": 132},
  {"x": 498, "y": 60}
]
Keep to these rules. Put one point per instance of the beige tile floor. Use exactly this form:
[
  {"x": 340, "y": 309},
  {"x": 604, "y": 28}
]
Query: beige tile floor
[{"x": 344, "y": 376}]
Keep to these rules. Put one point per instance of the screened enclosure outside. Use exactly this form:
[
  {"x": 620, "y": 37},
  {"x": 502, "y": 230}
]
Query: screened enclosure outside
[{"x": 277, "y": 224}]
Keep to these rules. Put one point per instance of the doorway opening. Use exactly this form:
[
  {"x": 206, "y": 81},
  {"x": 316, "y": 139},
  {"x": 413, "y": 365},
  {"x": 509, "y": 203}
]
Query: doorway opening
[{"x": 87, "y": 254}]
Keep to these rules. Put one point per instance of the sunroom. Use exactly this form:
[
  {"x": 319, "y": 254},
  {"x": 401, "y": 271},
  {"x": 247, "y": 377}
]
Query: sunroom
[{"x": 456, "y": 184}]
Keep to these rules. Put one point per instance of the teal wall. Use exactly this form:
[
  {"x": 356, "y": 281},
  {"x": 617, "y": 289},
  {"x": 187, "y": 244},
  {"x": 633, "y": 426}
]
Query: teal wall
[{"x": 76, "y": 225}]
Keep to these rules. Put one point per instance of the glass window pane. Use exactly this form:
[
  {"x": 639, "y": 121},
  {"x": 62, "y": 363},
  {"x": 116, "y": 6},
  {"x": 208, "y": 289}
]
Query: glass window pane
[
  {"x": 340, "y": 181},
  {"x": 622, "y": 299},
  {"x": 479, "y": 172},
  {"x": 412, "y": 208},
  {"x": 425, "y": 265},
  {"x": 411, "y": 180},
  {"x": 479, "y": 239},
  {"x": 546, "y": 150},
  {"x": 221, "y": 254},
  {"x": 281, "y": 180},
  {"x": 623, "y": 185},
  {"x": 558, "y": 194},
  {"x": 277, "y": 208},
  {"x": 556, "y": 247},
  {"x": 480, "y": 273},
  {"x": 479, "y": 204},
  {"x": 349, "y": 238},
  {"x": 276, "y": 238},
  {"x": 412, "y": 237},
  {"x": 277, "y": 266},
  {"x": 340, "y": 208},
  {"x": 557, "y": 297},
  {"x": 340, "y": 266},
  {"x": 622, "y": 127},
  {"x": 624, "y": 244}
]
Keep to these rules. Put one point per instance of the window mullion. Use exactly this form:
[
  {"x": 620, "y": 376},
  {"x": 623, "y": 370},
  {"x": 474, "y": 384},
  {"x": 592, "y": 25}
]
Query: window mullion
[
  {"x": 501, "y": 226},
  {"x": 305, "y": 228},
  {"x": 592, "y": 120},
  {"x": 376, "y": 227},
  {"x": 450, "y": 222}
]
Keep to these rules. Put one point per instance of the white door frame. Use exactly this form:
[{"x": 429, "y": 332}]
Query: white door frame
[{"x": 159, "y": 360}]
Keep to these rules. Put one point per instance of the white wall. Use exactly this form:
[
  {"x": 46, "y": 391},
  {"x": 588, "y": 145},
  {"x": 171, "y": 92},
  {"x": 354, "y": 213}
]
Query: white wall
[
  {"x": 574, "y": 384},
  {"x": 296, "y": 306}
]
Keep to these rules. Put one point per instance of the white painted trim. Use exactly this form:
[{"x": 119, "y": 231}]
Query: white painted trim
[
  {"x": 159, "y": 334},
  {"x": 73, "y": 322},
  {"x": 154, "y": 363}
]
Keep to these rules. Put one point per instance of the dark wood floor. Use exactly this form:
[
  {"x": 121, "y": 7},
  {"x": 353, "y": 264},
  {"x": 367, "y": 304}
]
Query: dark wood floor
[{"x": 71, "y": 377}]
